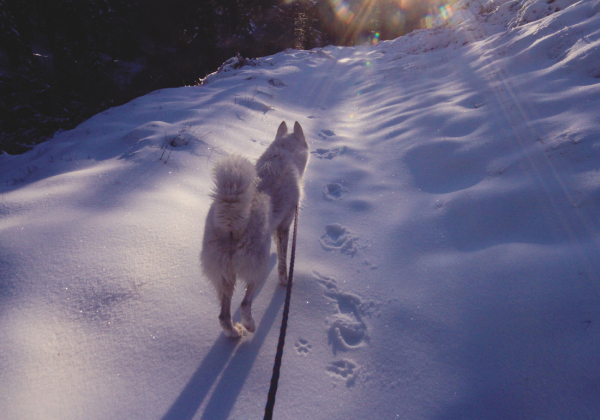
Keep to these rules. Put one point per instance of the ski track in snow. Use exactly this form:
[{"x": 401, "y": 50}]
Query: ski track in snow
[{"x": 447, "y": 253}]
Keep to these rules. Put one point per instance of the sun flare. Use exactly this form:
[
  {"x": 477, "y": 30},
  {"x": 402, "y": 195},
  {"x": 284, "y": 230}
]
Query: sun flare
[{"x": 360, "y": 21}]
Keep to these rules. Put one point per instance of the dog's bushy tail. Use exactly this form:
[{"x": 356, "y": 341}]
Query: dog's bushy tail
[{"x": 233, "y": 193}]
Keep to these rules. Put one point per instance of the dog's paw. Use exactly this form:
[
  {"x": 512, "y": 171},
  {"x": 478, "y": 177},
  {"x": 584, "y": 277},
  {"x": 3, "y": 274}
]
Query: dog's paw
[
  {"x": 240, "y": 329},
  {"x": 250, "y": 325},
  {"x": 236, "y": 332},
  {"x": 283, "y": 280}
]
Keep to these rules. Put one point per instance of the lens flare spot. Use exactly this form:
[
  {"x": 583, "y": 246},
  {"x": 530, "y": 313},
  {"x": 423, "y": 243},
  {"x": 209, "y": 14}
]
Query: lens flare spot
[
  {"x": 342, "y": 11},
  {"x": 446, "y": 11},
  {"x": 427, "y": 22},
  {"x": 399, "y": 19}
]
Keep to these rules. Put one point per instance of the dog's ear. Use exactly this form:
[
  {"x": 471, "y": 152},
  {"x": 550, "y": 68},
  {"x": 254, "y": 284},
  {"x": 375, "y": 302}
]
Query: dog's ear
[
  {"x": 298, "y": 131},
  {"x": 282, "y": 130}
]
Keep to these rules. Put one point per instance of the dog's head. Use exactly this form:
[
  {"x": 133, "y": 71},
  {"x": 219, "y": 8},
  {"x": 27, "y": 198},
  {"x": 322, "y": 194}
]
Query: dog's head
[{"x": 291, "y": 141}]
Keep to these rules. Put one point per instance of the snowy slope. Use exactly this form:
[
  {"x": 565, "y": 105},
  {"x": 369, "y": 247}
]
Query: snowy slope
[{"x": 447, "y": 263}]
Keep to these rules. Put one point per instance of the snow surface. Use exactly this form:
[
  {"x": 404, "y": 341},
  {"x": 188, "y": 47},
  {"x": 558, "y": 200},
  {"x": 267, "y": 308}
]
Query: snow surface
[{"x": 447, "y": 263}]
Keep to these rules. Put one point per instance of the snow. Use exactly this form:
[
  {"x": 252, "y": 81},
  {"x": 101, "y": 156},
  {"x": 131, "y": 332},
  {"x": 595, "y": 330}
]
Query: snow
[{"x": 447, "y": 261}]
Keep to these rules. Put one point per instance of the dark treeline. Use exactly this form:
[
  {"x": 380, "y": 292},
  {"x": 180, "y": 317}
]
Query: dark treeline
[{"x": 62, "y": 61}]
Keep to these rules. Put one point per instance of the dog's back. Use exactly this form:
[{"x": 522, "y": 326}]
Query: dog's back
[
  {"x": 236, "y": 235},
  {"x": 280, "y": 170}
]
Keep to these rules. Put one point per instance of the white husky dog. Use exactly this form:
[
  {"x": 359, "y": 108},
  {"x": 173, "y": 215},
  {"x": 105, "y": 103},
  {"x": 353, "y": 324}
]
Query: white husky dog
[{"x": 249, "y": 205}]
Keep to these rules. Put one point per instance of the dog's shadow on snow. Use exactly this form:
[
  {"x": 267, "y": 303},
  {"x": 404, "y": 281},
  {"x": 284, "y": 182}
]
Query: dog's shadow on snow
[{"x": 232, "y": 358}]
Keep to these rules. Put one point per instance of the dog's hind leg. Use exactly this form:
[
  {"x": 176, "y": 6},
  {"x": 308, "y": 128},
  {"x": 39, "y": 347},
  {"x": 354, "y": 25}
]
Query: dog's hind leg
[
  {"x": 282, "y": 238},
  {"x": 247, "y": 320},
  {"x": 230, "y": 330}
]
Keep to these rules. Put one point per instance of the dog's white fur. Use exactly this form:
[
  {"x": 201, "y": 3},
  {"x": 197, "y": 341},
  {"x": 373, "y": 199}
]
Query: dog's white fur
[{"x": 249, "y": 205}]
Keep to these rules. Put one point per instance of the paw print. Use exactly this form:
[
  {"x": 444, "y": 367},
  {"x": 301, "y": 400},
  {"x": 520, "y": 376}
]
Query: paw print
[
  {"x": 303, "y": 347},
  {"x": 344, "y": 369},
  {"x": 329, "y": 153},
  {"x": 338, "y": 237}
]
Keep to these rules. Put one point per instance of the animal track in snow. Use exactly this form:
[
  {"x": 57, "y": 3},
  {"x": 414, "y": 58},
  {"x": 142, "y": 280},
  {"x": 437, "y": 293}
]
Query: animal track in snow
[
  {"x": 346, "y": 332},
  {"x": 254, "y": 105},
  {"x": 345, "y": 369},
  {"x": 346, "y": 329},
  {"x": 334, "y": 191},
  {"x": 339, "y": 238},
  {"x": 100, "y": 304},
  {"x": 303, "y": 347},
  {"x": 277, "y": 82},
  {"x": 329, "y": 153},
  {"x": 325, "y": 134}
]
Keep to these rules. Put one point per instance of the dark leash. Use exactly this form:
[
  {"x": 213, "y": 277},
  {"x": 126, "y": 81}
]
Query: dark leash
[{"x": 281, "y": 343}]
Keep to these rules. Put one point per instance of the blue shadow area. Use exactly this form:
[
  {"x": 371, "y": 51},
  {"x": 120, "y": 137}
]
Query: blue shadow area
[
  {"x": 235, "y": 374},
  {"x": 235, "y": 368}
]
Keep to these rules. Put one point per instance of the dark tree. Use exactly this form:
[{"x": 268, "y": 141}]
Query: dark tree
[{"x": 65, "y": 60}]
